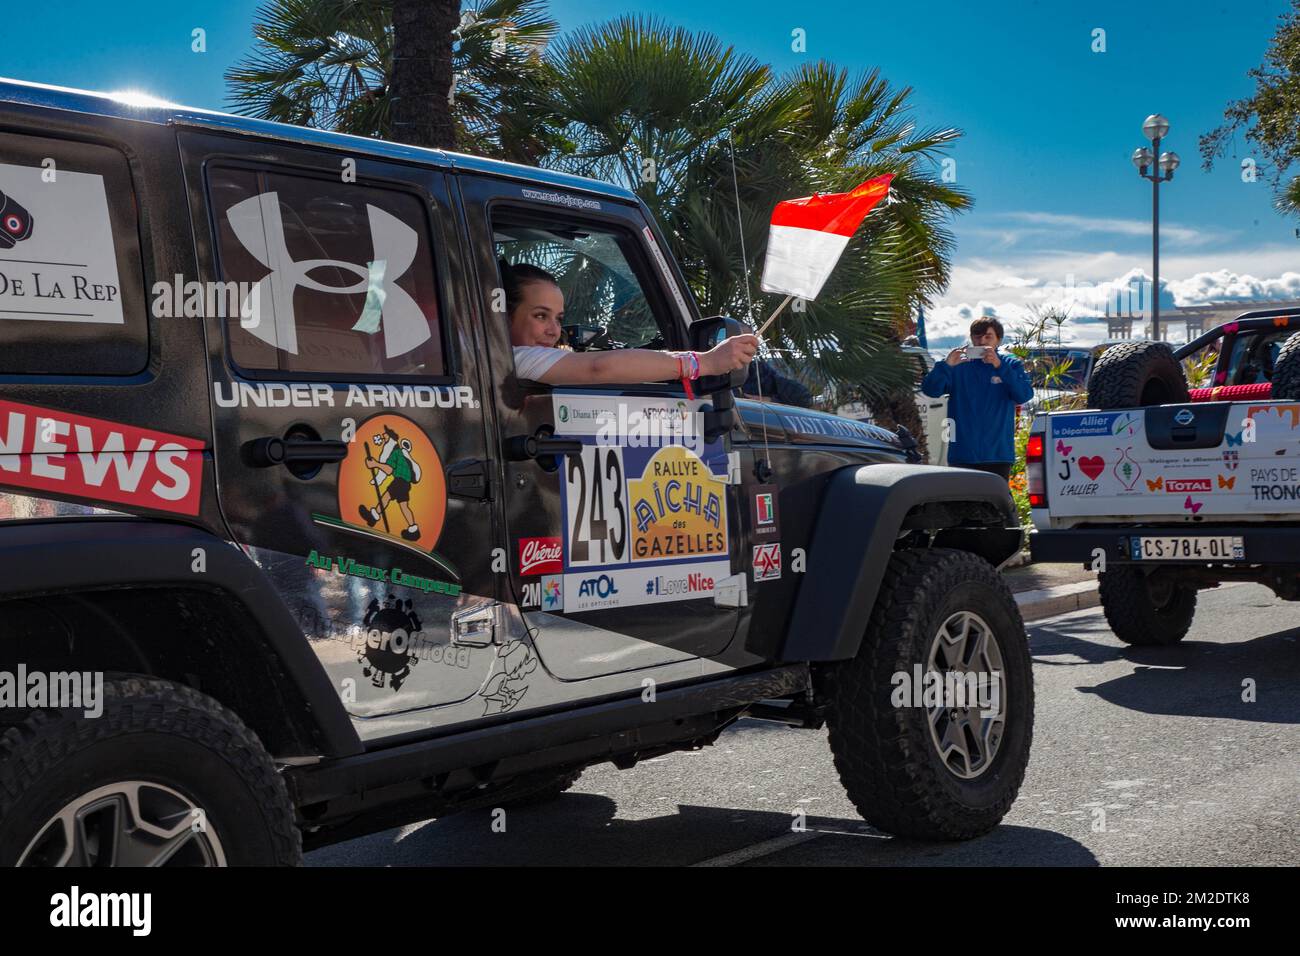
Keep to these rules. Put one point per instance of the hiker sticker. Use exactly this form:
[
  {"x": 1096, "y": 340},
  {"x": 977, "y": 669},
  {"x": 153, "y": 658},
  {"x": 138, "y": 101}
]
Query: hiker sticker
[
  {"x": 391, "y": 486},
  {"x": 57, "y": 260}
]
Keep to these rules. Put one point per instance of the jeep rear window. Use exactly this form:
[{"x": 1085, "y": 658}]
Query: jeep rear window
[
  {"x": 332, "y": 278},
  {"x": 72, "y": 296}
]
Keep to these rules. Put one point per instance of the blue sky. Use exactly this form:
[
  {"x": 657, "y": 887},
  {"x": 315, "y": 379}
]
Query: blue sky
[{"x": 1049, "y": 123}]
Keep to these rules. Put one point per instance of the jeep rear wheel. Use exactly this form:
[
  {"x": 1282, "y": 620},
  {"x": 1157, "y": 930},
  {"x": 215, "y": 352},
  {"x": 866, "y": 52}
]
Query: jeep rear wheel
[
  {"x": 165, "y": 776},
  {"x": 1286, "y": 371},
  {"x": 934, "y": 764},
  {"x": 1148, "y": 611},
  {"x": 1137, "y": 374}
]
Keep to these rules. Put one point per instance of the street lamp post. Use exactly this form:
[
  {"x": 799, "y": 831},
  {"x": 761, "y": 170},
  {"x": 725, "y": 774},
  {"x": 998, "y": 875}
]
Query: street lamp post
[{"x": 1155, "y": 128}]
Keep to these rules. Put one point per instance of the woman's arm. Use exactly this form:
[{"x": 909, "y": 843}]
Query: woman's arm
[{"x": 629, "y": 366}]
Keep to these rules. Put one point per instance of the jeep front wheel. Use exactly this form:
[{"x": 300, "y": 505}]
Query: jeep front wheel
[
  {"x": 932, "y": 721},
  {"x": 164, "y": 776}
]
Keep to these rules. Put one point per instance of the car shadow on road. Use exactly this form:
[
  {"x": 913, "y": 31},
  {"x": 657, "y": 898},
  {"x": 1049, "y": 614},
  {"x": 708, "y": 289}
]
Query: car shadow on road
[
  {"x": 1194, "y": 678},
  {"x": 581, "y": 829}
]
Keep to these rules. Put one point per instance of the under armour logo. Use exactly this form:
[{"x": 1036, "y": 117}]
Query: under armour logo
[{"x": 257, "y": 224}]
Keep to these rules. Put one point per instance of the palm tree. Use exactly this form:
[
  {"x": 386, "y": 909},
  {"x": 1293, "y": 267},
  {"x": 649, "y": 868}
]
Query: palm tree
[
  {"x": 695, "y": 129},
  {"x": 330, "y": 64}
]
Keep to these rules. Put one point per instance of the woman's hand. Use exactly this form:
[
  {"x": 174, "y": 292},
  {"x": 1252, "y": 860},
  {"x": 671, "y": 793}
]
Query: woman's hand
[{"x": 736, "y": 352}]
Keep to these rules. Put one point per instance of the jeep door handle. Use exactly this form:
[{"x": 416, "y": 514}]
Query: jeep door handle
[
  {"x": 265, "y": 452},
  {"x": 525, "y": 447}
]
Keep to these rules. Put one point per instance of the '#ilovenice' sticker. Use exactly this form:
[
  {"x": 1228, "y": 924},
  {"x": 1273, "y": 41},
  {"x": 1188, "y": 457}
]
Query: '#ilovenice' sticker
[{"x": 391, "y": 486}]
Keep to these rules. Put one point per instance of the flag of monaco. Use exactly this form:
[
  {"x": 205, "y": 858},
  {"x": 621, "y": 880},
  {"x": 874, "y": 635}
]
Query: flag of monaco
[{"x": 808, "y": 235}]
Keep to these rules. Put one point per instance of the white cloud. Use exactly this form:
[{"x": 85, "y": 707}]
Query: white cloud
[{"x": 1083, "y": 283}]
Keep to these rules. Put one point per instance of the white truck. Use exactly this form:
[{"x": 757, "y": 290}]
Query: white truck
[{"x": 1165, "y": 490}]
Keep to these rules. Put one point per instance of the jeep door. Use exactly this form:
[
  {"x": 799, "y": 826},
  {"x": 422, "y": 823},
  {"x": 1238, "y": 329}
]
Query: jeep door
[
  {"x": 349, "y": 435},
  {"x": 616, "y": 551}
]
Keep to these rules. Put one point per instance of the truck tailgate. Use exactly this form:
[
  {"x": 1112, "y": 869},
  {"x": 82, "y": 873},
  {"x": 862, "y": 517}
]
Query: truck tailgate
[{"x": 1211, "y": 460}]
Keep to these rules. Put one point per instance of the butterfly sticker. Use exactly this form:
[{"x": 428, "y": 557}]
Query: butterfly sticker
[
  {"x": 1234, "y": 439},
  {"x": 1156, "y": 485},
  {"x": 1281, "y": 322},
  {"x": 1062, "y": 448},
  {"x": 1191, "y": 506},
  {"x": 1227, "y": 482}
]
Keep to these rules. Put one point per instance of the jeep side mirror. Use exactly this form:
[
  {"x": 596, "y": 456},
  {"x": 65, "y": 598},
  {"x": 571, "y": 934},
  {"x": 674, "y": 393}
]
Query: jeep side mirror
[{"x": 709, "y": 333}]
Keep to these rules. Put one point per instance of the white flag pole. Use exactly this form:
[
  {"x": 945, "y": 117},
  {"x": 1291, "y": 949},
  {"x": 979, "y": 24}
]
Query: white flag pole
[{"x": 775, "y": 312}]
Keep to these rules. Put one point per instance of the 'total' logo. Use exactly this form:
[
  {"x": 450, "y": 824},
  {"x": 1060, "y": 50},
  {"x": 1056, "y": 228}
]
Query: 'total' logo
[
  {"x": 1180, "y": 486},
  {"x": 540, "y": 556}
]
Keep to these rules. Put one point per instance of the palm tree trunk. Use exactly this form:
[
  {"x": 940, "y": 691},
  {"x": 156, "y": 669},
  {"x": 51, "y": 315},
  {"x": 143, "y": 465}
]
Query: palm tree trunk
[{"x": 422, "y": 78}]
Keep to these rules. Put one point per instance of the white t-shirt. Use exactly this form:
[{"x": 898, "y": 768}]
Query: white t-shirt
[{"x": 534, "y": 361}]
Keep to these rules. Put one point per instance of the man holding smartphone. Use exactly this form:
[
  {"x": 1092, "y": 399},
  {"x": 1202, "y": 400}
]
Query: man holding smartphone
[{"x": 983, "y": 388}]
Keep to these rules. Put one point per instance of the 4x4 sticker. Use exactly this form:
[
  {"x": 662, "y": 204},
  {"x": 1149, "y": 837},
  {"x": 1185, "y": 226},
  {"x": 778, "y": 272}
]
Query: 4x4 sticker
[
  {"x": 57, "y": 260},
  {"x": 391, "y": 486},
  {"x": 90, "y": 458}
]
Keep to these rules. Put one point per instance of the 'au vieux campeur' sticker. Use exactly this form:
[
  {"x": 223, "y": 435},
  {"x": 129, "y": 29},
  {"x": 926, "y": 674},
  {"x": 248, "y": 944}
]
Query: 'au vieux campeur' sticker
[{"x": 391, "y": 487}]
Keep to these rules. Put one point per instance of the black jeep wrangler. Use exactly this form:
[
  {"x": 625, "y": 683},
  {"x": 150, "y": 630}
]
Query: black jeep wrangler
[{"x": 291, "y": 555}]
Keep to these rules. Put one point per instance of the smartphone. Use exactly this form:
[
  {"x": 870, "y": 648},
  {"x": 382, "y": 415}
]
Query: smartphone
[{"x": 974, "y": 352}]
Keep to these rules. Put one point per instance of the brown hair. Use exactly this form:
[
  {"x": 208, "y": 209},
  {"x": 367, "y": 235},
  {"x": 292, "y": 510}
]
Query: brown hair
[
  {"x": 515, "y": 277},
  {"x": 983, "y": 324}
]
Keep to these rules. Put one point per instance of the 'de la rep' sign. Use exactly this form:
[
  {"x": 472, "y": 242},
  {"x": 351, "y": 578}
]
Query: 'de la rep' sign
[{"x": 57, "y": 261}]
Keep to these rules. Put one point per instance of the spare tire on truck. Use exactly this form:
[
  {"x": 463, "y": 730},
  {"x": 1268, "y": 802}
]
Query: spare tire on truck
[
  {"x": 1134, "y": 374},
  {"x": 1286, "y": 371}
]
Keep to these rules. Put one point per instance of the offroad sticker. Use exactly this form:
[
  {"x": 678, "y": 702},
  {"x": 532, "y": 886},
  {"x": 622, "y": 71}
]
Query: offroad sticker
[
  {"x": 391, "y": 486},
  {"x": 644, "y": 503},
  {"x": 57, "y": 261},
  {"x": 99, "y": 460}
]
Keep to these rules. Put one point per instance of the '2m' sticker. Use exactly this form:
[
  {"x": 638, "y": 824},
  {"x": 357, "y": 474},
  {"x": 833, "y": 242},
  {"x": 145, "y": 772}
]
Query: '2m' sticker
[{"x": 83, "y": 457}]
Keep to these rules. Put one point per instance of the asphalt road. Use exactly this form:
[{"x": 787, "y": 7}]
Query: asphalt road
[{"x": 1141, "y": 756}]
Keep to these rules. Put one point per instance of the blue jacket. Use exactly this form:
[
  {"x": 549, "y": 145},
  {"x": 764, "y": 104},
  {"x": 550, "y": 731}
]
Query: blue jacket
[{"x": 982, "y": 405}]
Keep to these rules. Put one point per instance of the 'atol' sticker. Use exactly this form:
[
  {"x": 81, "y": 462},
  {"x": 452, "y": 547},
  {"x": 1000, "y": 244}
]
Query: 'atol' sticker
[{"x": 84, "y": 457}]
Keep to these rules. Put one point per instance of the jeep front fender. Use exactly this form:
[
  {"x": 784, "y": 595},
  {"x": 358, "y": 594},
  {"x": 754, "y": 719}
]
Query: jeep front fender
[{"x": 862, "y": 513}]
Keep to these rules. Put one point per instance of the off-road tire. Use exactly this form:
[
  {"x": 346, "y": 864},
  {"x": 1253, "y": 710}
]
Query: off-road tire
[
  {"x": 158, "y": 732},
  {"x": 1137, "y": 374},
  {"x": 542, "y": 792},
  {"x": 886, "y": 760},
  {"x": 1134, "y": 614},
  {"x": 1286, "y": 371}
]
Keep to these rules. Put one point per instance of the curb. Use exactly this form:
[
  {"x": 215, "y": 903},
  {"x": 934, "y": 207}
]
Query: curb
[{"x": 1048, "y": 602}]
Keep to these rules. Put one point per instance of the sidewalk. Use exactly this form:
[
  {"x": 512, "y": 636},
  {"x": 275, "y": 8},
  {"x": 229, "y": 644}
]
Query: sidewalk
[{"x": 1043, "y": 590}]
